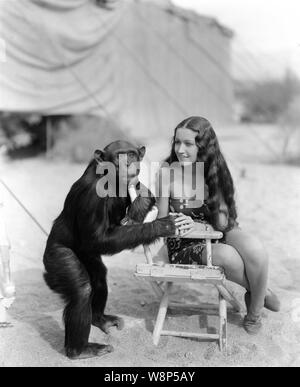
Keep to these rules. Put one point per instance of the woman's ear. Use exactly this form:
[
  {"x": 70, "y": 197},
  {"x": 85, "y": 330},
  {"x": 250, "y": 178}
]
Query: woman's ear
[
  {"x": 99, "y": 156},
  {"x": 142, "y": 152}
]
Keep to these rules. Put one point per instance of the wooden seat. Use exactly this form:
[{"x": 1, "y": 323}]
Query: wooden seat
[{"x": 162, "y": 276}]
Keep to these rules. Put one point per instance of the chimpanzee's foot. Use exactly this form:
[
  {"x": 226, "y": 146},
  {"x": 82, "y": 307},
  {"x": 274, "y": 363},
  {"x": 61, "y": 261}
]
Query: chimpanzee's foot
[
  {"x": 106, "y": 321},
  {"x": 91, "y": 350}
]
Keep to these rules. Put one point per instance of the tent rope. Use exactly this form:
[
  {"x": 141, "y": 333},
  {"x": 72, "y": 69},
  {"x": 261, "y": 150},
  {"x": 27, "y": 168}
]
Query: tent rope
[{"x": 24, "y": 208}]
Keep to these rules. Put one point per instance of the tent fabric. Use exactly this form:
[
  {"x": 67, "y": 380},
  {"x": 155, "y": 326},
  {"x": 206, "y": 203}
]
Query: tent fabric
[
  {"x": 58, "y": 56},
  {"x": 174, "y": 64},
  {"x": 148, "y": 63}
]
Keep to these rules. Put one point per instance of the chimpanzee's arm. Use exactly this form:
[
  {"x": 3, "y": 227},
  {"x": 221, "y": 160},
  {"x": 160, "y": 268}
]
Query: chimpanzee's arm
[
  {"x": 100, "y": 233},
  {"x": 129, "y": 237},
  {"x": 142, "y": 204},
  {"x": 140, "y": 208}
]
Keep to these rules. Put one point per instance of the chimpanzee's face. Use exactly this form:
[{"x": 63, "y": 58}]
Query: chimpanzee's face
[
  {"x": 125, "y": 156},
  {"x": 127, "y": 163}
]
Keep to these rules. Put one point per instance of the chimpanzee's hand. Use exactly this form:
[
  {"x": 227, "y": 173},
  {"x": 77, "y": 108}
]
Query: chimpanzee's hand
[
  {"x": 138, "y": 210},
  {"x": 165, "y": 227}
]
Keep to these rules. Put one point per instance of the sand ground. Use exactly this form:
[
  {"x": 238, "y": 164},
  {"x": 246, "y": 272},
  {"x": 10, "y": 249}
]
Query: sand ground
[{"x": 268, "y": 202}]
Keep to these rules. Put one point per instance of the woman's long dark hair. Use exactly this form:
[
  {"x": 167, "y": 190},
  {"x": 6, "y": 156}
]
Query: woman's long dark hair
[{"x": 216, "y": 173}]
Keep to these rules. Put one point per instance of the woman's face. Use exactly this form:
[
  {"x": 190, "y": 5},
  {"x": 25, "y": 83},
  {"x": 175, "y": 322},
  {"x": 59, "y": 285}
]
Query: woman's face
[{"x": 185, "y": 146}]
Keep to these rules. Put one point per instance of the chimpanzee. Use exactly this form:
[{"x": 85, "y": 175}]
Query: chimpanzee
[{"x": 89, "y": 226}]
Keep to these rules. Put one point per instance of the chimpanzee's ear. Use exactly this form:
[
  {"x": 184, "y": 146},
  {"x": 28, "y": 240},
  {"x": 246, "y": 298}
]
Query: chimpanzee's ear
[
  {"x": 99, "y": 156},
  {"x": 142, "y": 152}
]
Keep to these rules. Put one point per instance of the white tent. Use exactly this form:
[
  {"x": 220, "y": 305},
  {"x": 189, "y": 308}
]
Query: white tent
[
  {"x": 57, "y": 56},
  {"x": 147, "y": 63}
]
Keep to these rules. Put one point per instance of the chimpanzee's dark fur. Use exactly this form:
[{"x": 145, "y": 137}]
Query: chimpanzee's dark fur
[{"x": 88, "y": 227}]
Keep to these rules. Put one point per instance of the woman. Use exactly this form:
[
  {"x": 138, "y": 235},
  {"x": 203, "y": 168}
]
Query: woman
[{"x": 241, "y": 255}]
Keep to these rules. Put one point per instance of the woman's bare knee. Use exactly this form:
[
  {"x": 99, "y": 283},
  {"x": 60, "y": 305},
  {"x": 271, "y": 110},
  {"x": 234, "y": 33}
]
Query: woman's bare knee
[
  {"x": 225, "y": 256},
  {"x": 250, "y": 248}
]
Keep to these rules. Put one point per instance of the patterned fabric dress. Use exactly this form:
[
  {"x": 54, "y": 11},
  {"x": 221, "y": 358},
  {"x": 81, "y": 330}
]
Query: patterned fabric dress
[{"x": 187, "y": 251}]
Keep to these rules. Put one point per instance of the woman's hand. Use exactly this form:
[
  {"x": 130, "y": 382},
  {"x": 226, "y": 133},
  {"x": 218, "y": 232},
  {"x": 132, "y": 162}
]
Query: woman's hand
[{"x": 184, "y": 224}]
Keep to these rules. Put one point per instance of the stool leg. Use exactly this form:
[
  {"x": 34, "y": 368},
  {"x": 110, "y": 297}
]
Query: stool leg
[
  {"x": 223, "y": 323},
  {"x": 229, "y": 297},
  {"x": 163, "y": 307}
]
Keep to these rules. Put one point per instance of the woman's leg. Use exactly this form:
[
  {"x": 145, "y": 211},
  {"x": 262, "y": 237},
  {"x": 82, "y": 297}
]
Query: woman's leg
[
  {"x": 256, "y": 265},
  {"x": 230, "y": 260}
]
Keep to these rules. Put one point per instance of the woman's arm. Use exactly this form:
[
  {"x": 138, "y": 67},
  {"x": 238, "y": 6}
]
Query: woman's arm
[
  {"x": 183, "y": 223},
  {"x": 163, "y": 207},
  {"x": 163, "y": 190}
]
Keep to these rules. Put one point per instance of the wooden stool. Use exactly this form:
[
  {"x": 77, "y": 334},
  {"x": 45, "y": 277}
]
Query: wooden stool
[{"x": 168, "y": 274}]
